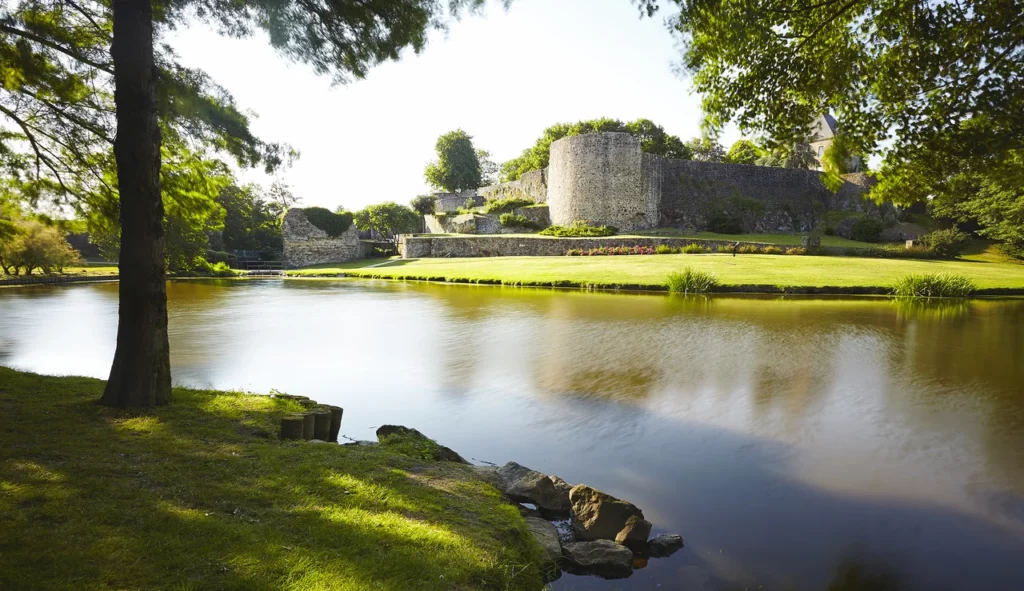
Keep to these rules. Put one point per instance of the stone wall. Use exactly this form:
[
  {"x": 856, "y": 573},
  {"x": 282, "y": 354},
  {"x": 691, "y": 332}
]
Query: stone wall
[
  {"x": 602, "y": 178},
  {"x": 472, "y": 223},
  {"x": 531, "y": 185},
  {"x": 451, "y": 202},
  {"x": 424, "y": 246},
  {"x": 305, "y": 244}
]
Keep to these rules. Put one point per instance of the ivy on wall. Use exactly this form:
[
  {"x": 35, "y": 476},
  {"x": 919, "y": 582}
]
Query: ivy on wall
[{"x": 333, "y": 223}]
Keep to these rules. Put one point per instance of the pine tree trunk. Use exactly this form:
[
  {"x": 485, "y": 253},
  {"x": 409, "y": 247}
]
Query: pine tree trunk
[{"x": 141, "y": 373}]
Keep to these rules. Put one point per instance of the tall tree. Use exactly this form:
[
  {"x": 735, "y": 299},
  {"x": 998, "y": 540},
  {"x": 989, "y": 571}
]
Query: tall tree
[
  {"x": 934, "y": 88},
  {"x": 743, "y": 152},
  {"x": 69, "y": 101},
  {"x": 706, "y": 149},
  {"x": 457, "y": 167}
]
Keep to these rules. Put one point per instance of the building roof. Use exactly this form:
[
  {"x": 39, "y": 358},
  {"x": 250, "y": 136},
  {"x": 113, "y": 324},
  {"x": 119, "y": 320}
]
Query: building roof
[{"x": 825, "y": 127}]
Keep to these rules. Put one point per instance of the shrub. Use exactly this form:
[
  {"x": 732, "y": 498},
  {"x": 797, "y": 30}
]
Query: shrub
[
  {"x": 579, "y": 229},
  {"x": 204, "y": 268},
  {"x": 665, "y": 249},
  {"x": 31, "y": 245},
  {"x": 610, "y": 251},
  {"x": 219, "y": 256},
  {"x": 721, "y": 222},
  {"x": 946, "y": 244},
  {"x": 514, "y": 220},
  {"x": 470, "y": 203},
  {"x": 933, "y": 285},
  {"x": 502, "y": 205},
  {"x": 796, "y": 250},
  {"x": 692, "y": 281},
  {"x": 866, "y": 230},
  {"x": 694, "y": 248},
  {"x": 748, "y": 249},
  {"x": 830, "y": 231},
  {"x": 773, "y": 250},
  {"x": 332, "y": 223}
]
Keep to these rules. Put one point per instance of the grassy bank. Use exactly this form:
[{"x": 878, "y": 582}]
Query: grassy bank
[
  {"x": 652, "y": 270},
  {"x": 202, "y": 495}
]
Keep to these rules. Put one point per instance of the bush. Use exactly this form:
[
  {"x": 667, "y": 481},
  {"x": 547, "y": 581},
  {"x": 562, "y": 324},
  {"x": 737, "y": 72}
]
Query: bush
[
  {"x": 219, "y": 256},
  {"x": 830, "y": 231},
  {"x": 946, "y": 244},
  {"x": 748, "y": 249},
  {"x": 724, "y": 223},
  {"x": 933, "y": 285},
  {"x": 514, "y": 220},
  {"x": 692, "y": 281},
  {"x": 502, "y": 205},
  {"x": 609, "y": 251},
  {"x": 773, "y": 250},
  {"x": 31, "y": 245},
  {"x": 665, "y": 249},
  {"x": 334, "y": 224},
  {"x": 204, "y": 268},
  {"x": 866, "y": 230},
  {"x": 470, "y": 203},
  {"x": 694, "y": 248},
  {"x": 579, "y": 229},
  {"x": 797, "y": 250}
]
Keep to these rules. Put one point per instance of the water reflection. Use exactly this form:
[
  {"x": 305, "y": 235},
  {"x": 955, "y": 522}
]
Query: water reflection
[{"x": 780, "y": 436}]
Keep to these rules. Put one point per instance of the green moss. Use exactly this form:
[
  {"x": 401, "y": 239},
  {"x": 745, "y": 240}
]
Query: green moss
[
  {"x": 201, "y": 495},
  {"x": 333, "y": 223}
]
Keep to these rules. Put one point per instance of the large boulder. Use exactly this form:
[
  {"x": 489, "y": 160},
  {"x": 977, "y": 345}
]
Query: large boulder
[
  {"x": 599, "y": 557},
  {"x": 599, "y": 516},
  {"x": 524, "y": 485},
  {"x": 546, "y": 536},
  {"x": 438, "y": 451}
]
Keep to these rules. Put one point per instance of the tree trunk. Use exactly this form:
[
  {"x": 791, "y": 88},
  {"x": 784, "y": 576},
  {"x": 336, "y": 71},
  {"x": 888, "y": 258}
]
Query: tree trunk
[{"x": 141, "y": 373}]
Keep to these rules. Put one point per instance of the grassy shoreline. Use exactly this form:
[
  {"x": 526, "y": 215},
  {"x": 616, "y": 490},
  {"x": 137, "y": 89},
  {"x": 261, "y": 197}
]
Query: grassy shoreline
[
  {"x": 201, "y": 494},
  {"x": 747, "y": 273}
]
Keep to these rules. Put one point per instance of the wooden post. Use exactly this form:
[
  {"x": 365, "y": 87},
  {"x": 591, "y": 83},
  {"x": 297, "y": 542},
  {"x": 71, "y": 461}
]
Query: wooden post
[
  {"x": 308, "y": 425},
  {"x": 291, "y": 426},
  {"x": 336, "y": 413},
  {"x": 306, "y": 402},
  {"x": 322, "y": 423}
]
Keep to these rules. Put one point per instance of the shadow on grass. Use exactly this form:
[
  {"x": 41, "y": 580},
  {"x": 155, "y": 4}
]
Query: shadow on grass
[{"x": 200, "y": 494}]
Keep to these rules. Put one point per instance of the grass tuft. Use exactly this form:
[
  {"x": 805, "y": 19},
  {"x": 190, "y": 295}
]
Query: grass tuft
[
  {"x": 691, "y": 280},
  {"x": 933, "y": 285}
]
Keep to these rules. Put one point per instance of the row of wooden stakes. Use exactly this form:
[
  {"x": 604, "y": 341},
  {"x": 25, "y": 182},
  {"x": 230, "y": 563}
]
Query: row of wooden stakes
[{"x": 320, "y": 421}]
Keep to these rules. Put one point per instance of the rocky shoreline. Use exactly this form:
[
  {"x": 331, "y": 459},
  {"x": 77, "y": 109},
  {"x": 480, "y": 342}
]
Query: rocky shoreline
[{"x": 580, "y": 529}]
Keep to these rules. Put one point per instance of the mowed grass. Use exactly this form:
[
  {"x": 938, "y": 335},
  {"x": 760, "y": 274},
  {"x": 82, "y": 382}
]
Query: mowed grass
[
  {"x": 781, "y": 239},
  {"x": 653, "y": 270},
  {"x": 201, "y": 495}
]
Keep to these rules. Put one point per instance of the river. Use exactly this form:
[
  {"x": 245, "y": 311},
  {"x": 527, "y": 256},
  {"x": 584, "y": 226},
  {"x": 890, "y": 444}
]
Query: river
[{"x": 794, "y": 443}]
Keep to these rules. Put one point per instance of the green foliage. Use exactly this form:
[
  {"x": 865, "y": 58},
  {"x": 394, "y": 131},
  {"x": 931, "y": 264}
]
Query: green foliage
[
  {"x": 743, "y": 152},
  {"x": 424, "y": 204},
  {"x": 836, "y": 162},
  {"x": 579, "y": 229},
  {"x": 457, "y": 167},
  {"x": 706, "y": 149},
  {"x": 514, "y": 220},
  {"x": 694, "y": 248},
  {"x": 31, "y": 245},
  {"x": 691, "y": 280},
  {"x": 946, "y": 244},
  {"x": 252, "y": 218},
  {"x": 507, "y": 204},
  {"x": 653, "y": 140},
  {"x": 944, "y": 75},
  {"x": 866, "y": 229},
  {"x": 334, "y": 224},
  {"x": 773, "y": 250},
  {"x": 665, "y": 249},
  {"x": 792, "y": 156},
  {"x": 724, "y": 222},
  {"x": 387, "y": 220},
  {"x": 934, "y": 285}
]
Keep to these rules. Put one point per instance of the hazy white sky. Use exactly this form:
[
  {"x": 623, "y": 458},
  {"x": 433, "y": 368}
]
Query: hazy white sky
[{"x": 503, "y": 77}]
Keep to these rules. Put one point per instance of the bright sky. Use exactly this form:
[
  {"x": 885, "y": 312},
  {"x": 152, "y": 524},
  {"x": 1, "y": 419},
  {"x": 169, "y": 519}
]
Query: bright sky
[{"x": 502, "y": 76}]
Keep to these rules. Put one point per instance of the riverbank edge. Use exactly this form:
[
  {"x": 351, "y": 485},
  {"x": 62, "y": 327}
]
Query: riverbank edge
[
  {"x": 645, "y": 287},
  {"x": 114, "y": 478}
]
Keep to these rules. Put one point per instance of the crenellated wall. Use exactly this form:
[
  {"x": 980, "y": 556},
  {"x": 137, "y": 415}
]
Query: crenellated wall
[{"x": 305, "y": 244}]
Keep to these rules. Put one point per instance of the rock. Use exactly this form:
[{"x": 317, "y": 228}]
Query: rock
[
  {"x": 599, "y": 516},
  {"x": 528, "y": 510},
  {"x": 360, "y": 443},
  {"x": 810, "y": 241},
  {"x": 563, "y": 488},
  {"x": 547, "y": 538},
  {"x": 524, "y": 485},
  {"x": 664, "y": 545},
  {"x": 604, "y": 558},
  {"x": 444, "y": 454},
  {"x": 490, "y": 475}
]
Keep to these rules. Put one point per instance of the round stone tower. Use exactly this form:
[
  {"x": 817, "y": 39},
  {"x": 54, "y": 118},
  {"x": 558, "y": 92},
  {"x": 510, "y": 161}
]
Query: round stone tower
[{"x": 603, "y": 179}]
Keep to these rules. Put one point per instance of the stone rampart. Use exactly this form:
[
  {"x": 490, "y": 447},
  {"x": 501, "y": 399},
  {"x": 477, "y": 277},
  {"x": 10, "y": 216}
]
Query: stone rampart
[
  {"x": 474, "y": 223},
  {"x": 531, "y": 185},
  {"x": 305, "y": 244}
]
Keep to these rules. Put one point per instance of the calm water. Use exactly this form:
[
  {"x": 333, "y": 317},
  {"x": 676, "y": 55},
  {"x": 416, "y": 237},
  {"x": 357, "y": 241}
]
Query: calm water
[{"x": 793, "y": 443}]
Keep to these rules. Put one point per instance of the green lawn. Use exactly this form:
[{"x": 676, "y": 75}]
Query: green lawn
[
  {"x": 651, "y": 270},
  {"x": 202, "y": 495},
  {"x": 782, "y": 239}
]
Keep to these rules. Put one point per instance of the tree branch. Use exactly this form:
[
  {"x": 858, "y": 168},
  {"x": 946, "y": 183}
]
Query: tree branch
[
  {"x": 56, "y": 47},
  {"x": 35, "y": 147},
  {"x": 842, "y": 10}
]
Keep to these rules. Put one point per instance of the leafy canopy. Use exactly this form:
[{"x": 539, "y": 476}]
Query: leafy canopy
[
  {"x": 743, "y": 152},
  {"x": 943, "y": 81},
  {"x": 653, "y": 139},
  {"x": 457, "y": 167},
  {"x": 388, "y": 220}
]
